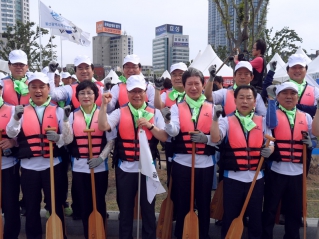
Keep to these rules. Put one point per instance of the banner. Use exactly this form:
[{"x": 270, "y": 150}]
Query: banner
[{"x": 153, "y": 184}]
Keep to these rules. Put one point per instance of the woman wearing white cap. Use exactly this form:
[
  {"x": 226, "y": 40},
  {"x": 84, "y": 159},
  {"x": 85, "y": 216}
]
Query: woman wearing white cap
[
  {"x": 10, "y": 179},
  {"x": 131, "y": 66},
  {"x": 192, "y": 114},
  {"x": 131, "y": 116},
  {"x": 284, "y": 179},
  {"x": 34, "y": 150}
]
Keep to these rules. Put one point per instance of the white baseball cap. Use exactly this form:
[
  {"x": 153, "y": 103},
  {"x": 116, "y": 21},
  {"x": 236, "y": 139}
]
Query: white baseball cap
[
  {"x": 131, "y": 58},
  {"x": 74, "y": 76},
  {"x": 297, "y": 59},
  {"x": 57, "y": 72},
  {"x": 65, "y": 75},
  {"x": 244, "y": 64},
  {"x": 39, "y": 76},
  {"x": 178, "y": 66},
  {"x": 18, "y": 56},
  {"x": 135, "y": 81},
  {"x": 82, "y": 59},
  {"x": 286, "y": 86}
]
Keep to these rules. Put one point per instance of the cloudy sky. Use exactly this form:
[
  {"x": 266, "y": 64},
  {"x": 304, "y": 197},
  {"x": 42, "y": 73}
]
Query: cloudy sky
[{"x": 140, "y": 17}]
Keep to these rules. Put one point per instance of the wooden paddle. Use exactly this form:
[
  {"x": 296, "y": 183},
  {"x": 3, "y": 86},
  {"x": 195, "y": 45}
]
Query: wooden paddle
[
  {"x": 165, "y": 219},
  {"x": 236, "y": 228},
  {"x": 54, "y": 228},
  {"x": 96, "y": 224},
  {"x": 216, "y": 205},
  {"x": 304, "y": 190},
  {"x": 1, "y": 220},
  {"x": 191, "y": 230}
]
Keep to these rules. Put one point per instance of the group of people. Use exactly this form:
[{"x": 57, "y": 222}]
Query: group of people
[{"x": 189, "y": 112}]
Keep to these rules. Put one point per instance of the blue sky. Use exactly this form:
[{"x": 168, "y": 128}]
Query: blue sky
[{"x": 140, "y": 17}]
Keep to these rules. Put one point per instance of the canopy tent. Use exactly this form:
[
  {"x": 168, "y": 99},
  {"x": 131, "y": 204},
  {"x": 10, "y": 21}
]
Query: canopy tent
[
  {"x": 313, "y": 68},
  {"x": 197, "y": 56},
  {"x": 166, "y": 75},
  {"x": 280, "y": 62},
  {"x": 115, "y": 78},
  {"x": 4, "y": 66},
  {"x": 208, "y": 58}
]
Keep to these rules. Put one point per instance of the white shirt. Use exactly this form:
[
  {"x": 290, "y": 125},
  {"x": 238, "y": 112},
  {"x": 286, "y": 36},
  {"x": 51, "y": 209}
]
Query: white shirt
[
  {"x": 114, "y": 119},
  {"x": 172, "y": 129},
  {"x": 115, "y": 91},
  {"x": 36, "y": 163},
  {"x": 80, "y": 164},
  {"x": 219, "y": 98},
  {"x": 242, "y": 176}
]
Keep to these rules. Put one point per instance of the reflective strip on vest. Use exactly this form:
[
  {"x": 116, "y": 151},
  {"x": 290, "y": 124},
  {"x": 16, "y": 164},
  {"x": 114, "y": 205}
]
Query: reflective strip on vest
[
  {"x": 229, "y": 106},
  {"x": 128, "y": 134},
  {"x": 123, "y": 97},
  {"x": 204, "y": 122},
  {"x": 308, "y": 96},
  {"x": 10, "y": 96},
  {"x": 247, "y": 155},
  {"x": 81, "y": 137},
  {"x": 34, "y": 132},
  {"x": 288, "y": 141}
]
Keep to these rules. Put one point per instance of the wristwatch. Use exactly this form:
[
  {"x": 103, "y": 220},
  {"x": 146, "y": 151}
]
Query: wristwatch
[{"x": 152, "y": 127}]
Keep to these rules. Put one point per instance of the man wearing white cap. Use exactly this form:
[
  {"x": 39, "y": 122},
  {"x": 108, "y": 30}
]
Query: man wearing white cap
[
  {"x": 33, "y": 150},
  {"x": 131, "y": 66},
  {"x": 74, "y": 79},
  {"x": 57, "y": 78},
  {"x": 15, "y": 85},
  {"x": 284, "y": 179},
  {"x": 84, "y": 70},
  {"x": 127, "y": 119},
  {"x": 165, "y": 100},
  {"x": 10, "y": 179},
  {"x": 243, "y": 75},
  {"x": 66, "y": 78}
]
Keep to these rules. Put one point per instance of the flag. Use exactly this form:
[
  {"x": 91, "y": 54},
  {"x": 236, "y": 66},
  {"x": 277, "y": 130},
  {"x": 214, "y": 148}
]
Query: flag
[
  {"x": 153, "y": 184},
  {"x": 76, "y": 35}
]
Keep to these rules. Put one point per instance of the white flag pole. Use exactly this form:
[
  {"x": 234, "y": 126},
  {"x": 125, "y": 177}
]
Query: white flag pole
[
  {"x": 61, "y": 52},
  {"x": 51, "y": 45},
  {"x": 40, "y": 35}
]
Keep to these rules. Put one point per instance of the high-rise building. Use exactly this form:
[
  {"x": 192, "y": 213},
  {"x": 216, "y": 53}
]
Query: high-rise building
[
  {"x": 110, "y": 46},
  {"x": 216, "y": 30},
  {"x": 12, "y": 11},
  {"x": 170, "y": 46}
]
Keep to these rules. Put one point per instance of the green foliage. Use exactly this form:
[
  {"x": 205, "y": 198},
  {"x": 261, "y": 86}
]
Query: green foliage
[
  {"x": 282, "y": 42},
  {"x": 221, "y": 52},
  {"x": 25, "y": 36}
]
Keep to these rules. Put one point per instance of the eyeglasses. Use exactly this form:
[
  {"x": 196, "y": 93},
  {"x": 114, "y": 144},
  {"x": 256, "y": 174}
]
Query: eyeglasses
[
  {"x": 83, "y": 93},
  {"x": 131, "y": 67},
  {"x": 18, "y": 65},
  {"x": 137, "y": 92}
]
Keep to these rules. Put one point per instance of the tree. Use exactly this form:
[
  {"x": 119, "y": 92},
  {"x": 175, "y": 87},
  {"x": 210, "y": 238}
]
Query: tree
[
  {"x": 283, "y": 43},
  {"x": 245, "y": 32},
  {"x": 23, "y": 36},
  {"x": 221, "y": 52}
]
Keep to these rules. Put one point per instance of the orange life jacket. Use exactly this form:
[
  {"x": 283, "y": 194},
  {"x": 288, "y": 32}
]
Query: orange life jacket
[
  {"x": 5, "y": 115},
  {"x": 307, "y": 97},
  {"x": 32, "y": 139},
  {"x": 182, "y": 142},
  {"x": 127, "y": 145},
  {"x": 123, "y": 97},
  {"x": 10, "y": 96},
  {"x": 74, "y": 101},
  {"x": 229, "y": 105},
  {"x": 240, "y": 153},
  {"x": 168, "y": 101},
  {"x": 288, "y": 144},
  {"x": 79, "y": 147}
]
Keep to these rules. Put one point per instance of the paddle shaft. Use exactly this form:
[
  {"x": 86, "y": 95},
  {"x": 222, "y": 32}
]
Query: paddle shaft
[
  {"x": 192, "y": 178},
  {"x": 241, "y": 215},
  {"x": 304, "y": 190},
  {"x": 222, "y": 65}
]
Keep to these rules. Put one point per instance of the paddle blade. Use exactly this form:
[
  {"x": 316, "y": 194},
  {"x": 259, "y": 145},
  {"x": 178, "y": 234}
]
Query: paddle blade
[
  {"x": 96, "y": 226},
  {"x": 161, "y": 219},
  {"x": 235, "y": 230},
  {"x": 216, "y": 205},
  {"x": 54, "y": 227},
  {"x": 165, "y": 220},
  {"x": 191, "y": 230}
]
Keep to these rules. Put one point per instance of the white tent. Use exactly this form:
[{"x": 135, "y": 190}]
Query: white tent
[
  {"x": 208, "y": 58},
  {"x": 197, "y": 57},
  {"x": 313, "y": 68},
  {"x": 166, "y": 75},
  {"x": 4, "y": 66},
  {"x": 115, "y": 78},
  {"x": 280, "y": 62}
]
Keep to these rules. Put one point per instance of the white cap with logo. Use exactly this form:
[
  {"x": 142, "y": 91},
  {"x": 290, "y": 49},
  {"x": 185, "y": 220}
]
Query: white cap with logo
[
  {"x": 178, "y": 66},
  {"x": 18, "y": 56},
  {"x": 39, "y": 76},
  {"x": 297, "y": 59},
  {"x": 244, "y": 64},
  {"x": 131, "y": 58},
  {"x": 65, "y": 75},
  {"x": 135, "y": 81},
  {"x": 82, "y": 59},
  {"x": 286, "y": 86}
]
